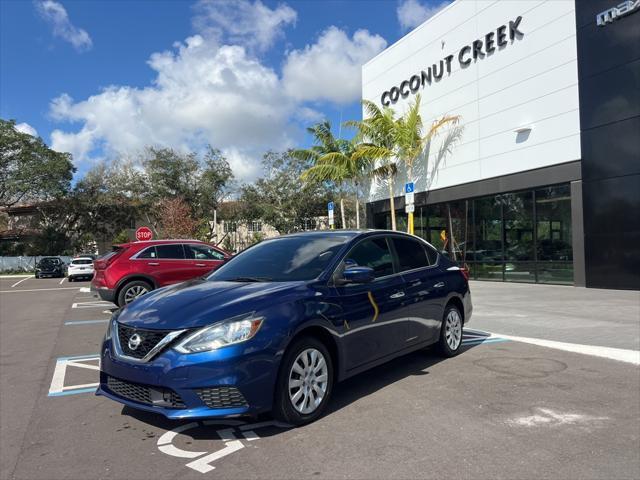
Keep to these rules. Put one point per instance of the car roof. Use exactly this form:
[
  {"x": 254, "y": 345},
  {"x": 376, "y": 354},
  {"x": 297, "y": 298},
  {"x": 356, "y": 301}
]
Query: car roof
[
  {"x": 353, "y": 233},
  {"x": 82, "y": 258},
  {"x": 147, "y": 243}
]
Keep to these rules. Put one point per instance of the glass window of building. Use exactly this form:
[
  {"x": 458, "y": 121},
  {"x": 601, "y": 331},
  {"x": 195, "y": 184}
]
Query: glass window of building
[
  {"x": 487, "y": 250},
  {"x": 519, "y": 257},
  {"x": 553, "y": 234}
]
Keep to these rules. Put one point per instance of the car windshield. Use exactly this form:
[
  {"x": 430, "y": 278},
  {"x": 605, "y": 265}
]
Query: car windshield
[
  {"x": 49, "y": 261},
  {"x": 285, "y": 259}
]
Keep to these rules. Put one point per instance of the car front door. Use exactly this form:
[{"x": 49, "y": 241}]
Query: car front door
[
  {"x": 202, "y": 258},
  {"x": 424, "y": 289},
  {"x": 373, "y": 323}
]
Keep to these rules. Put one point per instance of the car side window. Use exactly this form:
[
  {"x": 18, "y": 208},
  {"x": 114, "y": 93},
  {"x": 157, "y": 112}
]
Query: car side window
[
  {"x": 148, "y": 253},
  {"x": 432, "y": 254},
  {"x": 174, "y": 251},
  {"x": 202, "y": 252},
  {"x": 411, "y": 254},
  {"x": 373, "y": 253}
]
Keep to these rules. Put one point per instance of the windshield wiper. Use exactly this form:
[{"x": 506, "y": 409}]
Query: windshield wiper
[{"x": 249, "y": 279}]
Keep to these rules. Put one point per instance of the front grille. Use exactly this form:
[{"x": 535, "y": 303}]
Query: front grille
[
  {"x": 148, "y": 340},
  {"x": 144, "y": 394},
  {"x": 221, "y": 397}
]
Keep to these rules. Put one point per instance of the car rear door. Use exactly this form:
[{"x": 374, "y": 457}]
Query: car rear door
[
  {"x": 425, "y": 289},
  {"x": 374, "y": 327},
  {"x": 202, "y": 258},
  {"x": 165, "y": 263}
]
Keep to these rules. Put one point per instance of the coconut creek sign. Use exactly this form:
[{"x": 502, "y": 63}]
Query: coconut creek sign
[{"x": 493, "y": 41}]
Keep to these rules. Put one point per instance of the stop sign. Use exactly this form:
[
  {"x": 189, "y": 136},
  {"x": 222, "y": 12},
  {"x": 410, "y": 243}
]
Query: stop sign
[{"x": 144, "y": 233}]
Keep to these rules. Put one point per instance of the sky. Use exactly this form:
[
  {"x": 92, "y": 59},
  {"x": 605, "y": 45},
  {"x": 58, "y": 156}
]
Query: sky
[{"x": 105, "y": 78}]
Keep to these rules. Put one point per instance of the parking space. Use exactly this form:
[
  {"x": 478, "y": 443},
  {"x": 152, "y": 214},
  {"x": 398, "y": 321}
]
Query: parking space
[{"x": 501, "y": 409}]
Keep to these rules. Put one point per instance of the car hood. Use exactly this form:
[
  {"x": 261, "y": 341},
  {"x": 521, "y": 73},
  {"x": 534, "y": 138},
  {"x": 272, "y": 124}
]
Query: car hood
[{"x": 198, "y": 303}]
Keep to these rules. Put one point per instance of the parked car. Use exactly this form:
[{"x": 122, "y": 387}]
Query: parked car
[
  {"x": 277, "y": 325},
  {"x": 50, "y": 267},
  {"x": 81, "y": 267},
  {"x": 133, "y": 269}
]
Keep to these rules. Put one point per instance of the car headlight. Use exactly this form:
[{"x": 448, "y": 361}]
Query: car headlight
[
  {"x": 228, "y": 332},
  {"x": 112, "y": 325}
]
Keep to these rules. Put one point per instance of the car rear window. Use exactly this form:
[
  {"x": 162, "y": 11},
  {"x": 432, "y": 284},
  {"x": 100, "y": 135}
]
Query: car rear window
[
  {"x": 170, "y": 251},
  {"x": 148, "y": 253},
  {"x": 411, "y": 254},
  {"x": 82, "y": 262}
]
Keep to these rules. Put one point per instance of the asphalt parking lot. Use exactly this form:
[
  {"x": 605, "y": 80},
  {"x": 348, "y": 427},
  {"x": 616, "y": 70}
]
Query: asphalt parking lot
[{"x": 501, "y": 409}]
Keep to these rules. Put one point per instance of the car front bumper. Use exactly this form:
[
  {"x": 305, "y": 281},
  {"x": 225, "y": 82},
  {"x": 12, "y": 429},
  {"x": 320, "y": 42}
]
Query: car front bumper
[{"x": 224, "y": 383}]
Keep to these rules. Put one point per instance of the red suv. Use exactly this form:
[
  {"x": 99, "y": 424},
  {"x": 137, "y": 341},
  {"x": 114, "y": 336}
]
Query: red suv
[{"x": 133, "y": 269}]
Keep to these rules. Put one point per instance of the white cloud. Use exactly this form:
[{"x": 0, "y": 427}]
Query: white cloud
[
  {"x": 331, "y": 68},
  {"x": 206, "y": 92},
  {"x": 241, "y": 22},
  {"x": 26, "y": 128},
  {"x": 202, "y": 93},
  {"x": 412, "y": 13},
  {"x": 56, "y": 15}
]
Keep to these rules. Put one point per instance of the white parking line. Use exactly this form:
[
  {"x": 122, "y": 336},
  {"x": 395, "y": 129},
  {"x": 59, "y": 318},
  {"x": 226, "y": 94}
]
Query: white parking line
[
  {"x": 61, "y": 281},
  {"x": 19, "y": 282},
  {"x": 619, "y": 354},
  {"x": 93, "y": 304},
  {"x": 39, "y": 290}
]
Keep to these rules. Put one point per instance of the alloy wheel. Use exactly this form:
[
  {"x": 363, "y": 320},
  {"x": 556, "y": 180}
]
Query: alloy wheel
[
  {"x": 134, "y": 292},
  {"x": 453, "y": 329},
  {"x": 308, "y": 381}
]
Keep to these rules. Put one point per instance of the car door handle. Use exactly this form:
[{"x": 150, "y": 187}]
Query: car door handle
[
  {"x": 439, "y": 285},
  {"x": 200, "y": 265},
  {"x": 153, "y": 264},
  {"x": 397, "y": 295}
]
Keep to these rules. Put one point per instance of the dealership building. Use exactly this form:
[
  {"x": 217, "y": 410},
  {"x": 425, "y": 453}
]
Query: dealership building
[{"x": 540, "y": 179}]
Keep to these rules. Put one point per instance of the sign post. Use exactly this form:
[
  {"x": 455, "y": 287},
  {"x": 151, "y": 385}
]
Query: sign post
[
  {"x": 409, "y": 205},
  {"x": 330, "y": 209},
  {"x": 144, "y": 233}
]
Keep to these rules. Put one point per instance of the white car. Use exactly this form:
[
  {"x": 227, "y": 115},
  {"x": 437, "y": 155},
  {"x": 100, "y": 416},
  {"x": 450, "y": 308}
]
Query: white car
[{"x": 81, "y": 267}]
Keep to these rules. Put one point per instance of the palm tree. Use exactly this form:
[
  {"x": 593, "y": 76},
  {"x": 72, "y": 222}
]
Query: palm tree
[
  {"x": 411, "y": 142},
  {"x": 333, "y": 161},
  {"x": 376, "y": 133}
]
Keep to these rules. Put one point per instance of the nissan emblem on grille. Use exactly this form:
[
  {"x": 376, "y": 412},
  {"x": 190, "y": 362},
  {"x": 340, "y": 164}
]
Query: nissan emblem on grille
[{"x": 134, "y": 341}]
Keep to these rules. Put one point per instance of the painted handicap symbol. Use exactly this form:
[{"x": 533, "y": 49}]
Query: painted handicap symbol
[{"x": 232, "y": 438}]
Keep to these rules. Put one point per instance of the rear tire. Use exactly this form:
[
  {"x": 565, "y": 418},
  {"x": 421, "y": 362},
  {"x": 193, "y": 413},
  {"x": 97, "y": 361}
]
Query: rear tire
[
  {"x": 451, "y": 332},
  {"x": 37, "y": 275},
  {"x": 305, "y": 382},
  {"x": 70, "y": 279},
  {"x": 132, "y": 290}
]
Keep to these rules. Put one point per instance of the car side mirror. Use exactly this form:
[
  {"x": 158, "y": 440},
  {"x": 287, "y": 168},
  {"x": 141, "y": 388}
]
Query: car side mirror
[{"x": 358, "y": 275}]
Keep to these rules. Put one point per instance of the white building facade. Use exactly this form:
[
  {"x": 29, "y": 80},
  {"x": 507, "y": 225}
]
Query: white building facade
[{"x": 508, "y": 197}]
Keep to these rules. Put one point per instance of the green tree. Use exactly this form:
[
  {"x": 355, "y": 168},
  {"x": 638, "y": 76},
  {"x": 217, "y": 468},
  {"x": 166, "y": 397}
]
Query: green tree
[
  {"x": 411, "y": 140},
  {"x": 329, "y": 160},
  {"x": 215, "y": 183},
  {"x": 279, "y": 198},
  {"x": 376, "y": 139},
  {"x": 29, "y": 170}
]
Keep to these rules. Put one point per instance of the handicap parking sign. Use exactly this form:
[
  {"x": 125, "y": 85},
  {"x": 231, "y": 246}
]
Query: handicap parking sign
[{"x": 408, "y": 187}]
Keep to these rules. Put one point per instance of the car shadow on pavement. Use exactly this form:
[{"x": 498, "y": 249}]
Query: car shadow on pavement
[{"x": 344, "y": 393}]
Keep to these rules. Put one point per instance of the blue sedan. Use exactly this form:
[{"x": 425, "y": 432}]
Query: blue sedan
[{"x": 279, "y": 324}]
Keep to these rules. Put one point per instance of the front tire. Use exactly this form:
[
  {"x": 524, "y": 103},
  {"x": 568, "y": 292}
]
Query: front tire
[
  {"x": 305, "y": 382},
  {"x": 451, "y": 332},
  {"x": 133, "y": 290}
]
